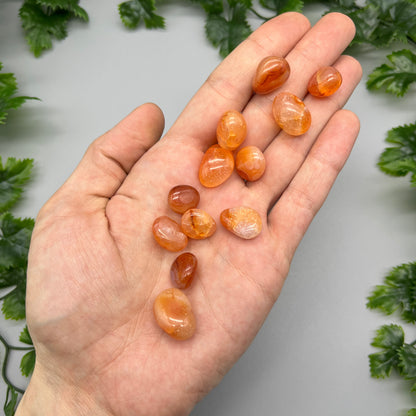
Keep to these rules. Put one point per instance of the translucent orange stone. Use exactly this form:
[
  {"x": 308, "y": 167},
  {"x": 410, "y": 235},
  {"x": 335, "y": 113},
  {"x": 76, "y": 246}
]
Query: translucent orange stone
[
  {"x": 250, "y": 163},
  {"x": 231, "y": 130},
  {"x": 291, "y": 114},
  {"x": 324, "y": 82},
  {"x": 271, "y": 73},
  {"x": 198, "y": 224},
  {"x": 173, "y": 312},
  {"x": 183, "y": 197},
  {"x": 216, "y": 166},
  {"x": 244, "y": 222},
  {"x": 183, "y": 270},
  {"x": 168, "y": 234}
]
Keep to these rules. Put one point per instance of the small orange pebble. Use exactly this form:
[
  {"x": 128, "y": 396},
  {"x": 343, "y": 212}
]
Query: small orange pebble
[
  {"x": 168, "y": 234},
  {"x": 291, "y": 114},
  {"x": 173, "y": 312},
  {"x": 231, "y": 130},
  {"x": 198, "y": 224},
  {"x": 183, "y": 270},
  {"x": 183, "y": 197},
  {"x": 271, "y": 73},
  {"x": 244, "y": 222},
  {"x": 324, "y": 82},
  {"x": 216, "y": 166},
  {"x": 250, "y": 163}
]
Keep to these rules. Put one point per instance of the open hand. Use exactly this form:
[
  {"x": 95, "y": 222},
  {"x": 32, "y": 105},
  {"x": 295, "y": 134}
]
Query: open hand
[{"x": 95, "y": 268}]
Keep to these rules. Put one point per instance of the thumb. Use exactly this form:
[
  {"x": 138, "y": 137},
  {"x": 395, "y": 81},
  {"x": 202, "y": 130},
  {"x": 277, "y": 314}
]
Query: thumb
[{"x": 109, "y": 159}]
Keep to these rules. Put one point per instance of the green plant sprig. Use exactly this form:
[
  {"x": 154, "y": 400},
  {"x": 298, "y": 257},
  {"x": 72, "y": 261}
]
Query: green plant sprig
[
  {"x": 15, "y": 236},
  {"x": 46, "y": 20},
  {"x": 14, "y": 392},
  {"x": 378, "y": 22},
  {"x": 400, "y": 158},
  {"x": 397, "y": 76},
  {"x": 396, "y": 294},
  {"x": 8, "y": 98}
]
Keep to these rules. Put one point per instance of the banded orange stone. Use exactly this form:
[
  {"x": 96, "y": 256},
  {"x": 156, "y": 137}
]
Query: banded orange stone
[
  {"x": 325, "y": 82},
  {"x": 183, "y": 269},
  {"x": 168, "y": 234},
  {"x": 250, "y": 163},
  {"x": 242, "y": 221},
  {"x": 198, "y": 224},
  {"x": 216, "y": 166},
  {"x": 231, "y": 130},
  {"x": 271, "y": 73},
  {"x": 173, "y": 313},
  {"x": 183, "y": 197},
  {"x": 291, "y": 114}
]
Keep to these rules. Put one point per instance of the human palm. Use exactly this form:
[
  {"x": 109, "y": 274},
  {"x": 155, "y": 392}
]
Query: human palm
[{"x": 95, "y": 268}]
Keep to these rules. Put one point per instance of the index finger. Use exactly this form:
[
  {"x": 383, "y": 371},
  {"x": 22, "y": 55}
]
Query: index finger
[{"x": 229, "y": 86}]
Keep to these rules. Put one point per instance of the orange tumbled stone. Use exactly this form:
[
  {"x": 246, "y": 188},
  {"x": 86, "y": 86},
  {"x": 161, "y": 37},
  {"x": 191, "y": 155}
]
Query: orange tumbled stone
[
  {"x": 198, "y": 224},
  {"x": 231, "y": 130},
  {"x": 183, "y": 270},
  {"x": 250, "y": 163},
  {"x": 173, "y": 312},
  {"x": 291, "y": 114},
  {"x": 244, "y": 222},
  {"x": 183, "y": 197},
  {"x": 216, "y": 166},
  {"x": 271, "y": 73},
  {"x": 324, "y": 82},
  {"x": 168, "y": 234}
]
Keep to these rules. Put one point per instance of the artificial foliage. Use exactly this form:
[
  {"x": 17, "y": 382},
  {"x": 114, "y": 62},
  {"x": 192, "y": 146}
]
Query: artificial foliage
[
  {"x": 15, "y": 235},
  {"x": 136, "y": 12},
  {"x": 46, "y": 20},
  {"x": 397, "y": 294},
  {"x": 8, "y": 96},
  {"x": 13, "y": 176},
  {"x": 399, "y": 159},
  {"x": 397, "y": 76}
]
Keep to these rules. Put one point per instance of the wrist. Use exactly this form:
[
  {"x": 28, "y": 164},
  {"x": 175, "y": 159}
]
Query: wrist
[{"x": 47, "y": 396}]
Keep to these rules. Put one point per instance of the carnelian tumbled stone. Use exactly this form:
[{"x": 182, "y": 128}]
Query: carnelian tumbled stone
[
  {"x": 231, "y": 130},
  {"x": 271, "y": 73},
  {"x": 250, "y": 163},
  {"x": 168, "y": 234},
  {"x": 216, "y": 167},
  {"x": 183, "y": 197},
  {"x": 183, "y": 270},
  {"x": 173, "y": 313},
  {"x": 324, "y": 82},
  {"x": 198, "y": 224},
  {"x": 291, "y": 114},
  {"x": 244, "y": 222}
]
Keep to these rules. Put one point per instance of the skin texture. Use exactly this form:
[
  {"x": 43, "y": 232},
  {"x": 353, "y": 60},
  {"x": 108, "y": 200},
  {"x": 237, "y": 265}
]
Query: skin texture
[{"x": 95, "y": 269}]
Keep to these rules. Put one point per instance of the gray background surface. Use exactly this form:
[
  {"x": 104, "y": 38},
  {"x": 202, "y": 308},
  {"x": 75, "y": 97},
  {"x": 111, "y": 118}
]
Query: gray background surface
[{"x": 311, "y": 355}]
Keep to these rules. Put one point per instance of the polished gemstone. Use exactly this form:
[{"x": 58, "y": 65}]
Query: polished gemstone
[
  {"x": 183, "y": 197},
  {"x": 183, "y": 270},
  {"x": 168, "y": 234},
  {"x": 244, "y": 222},
  {"x": 173, "y": 313},
  {"x": 271, "y": 73},
  {"x": 291, "y": 114},
  {"x": 198, "y": 224},
  {"x": 216, "y": 166},
  {"x": 231, "y": 130},
  {"x": 325, "y": 82},
  {"x": 250, "y": 163}
]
